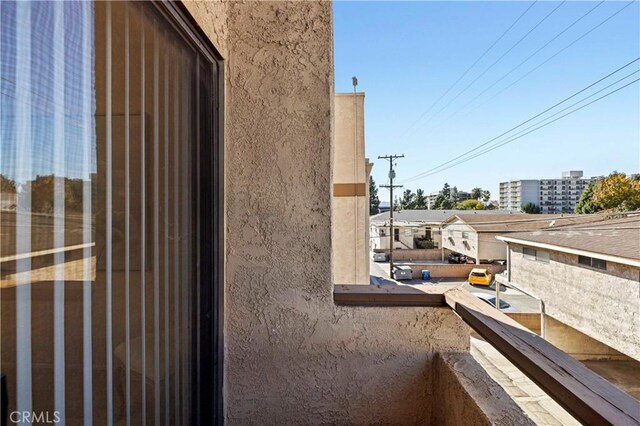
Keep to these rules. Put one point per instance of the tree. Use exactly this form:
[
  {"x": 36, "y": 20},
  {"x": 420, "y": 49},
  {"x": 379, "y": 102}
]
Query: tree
[
  {"x": 530, "y": 208},
  {"x": 374, "y": 201},
  {"x": 476, "y": 193},
  {"x": 493, "y": 205},
  {"x": 454, "y": 195},
  {"x": 420, "y": 200},
  {"x": 585, "y": 204},
  {"x": 7, "y": 185},
  {"x": 486, "y": 195},
  {"x": 446, "y": 191},
  {"x": 437, "y": 205},
  {"x": 618, "y": 192},
  {"x": 470, "y": 205},
  {"x": 407, "y": 202},
  {"x": 443, "y": 201}
]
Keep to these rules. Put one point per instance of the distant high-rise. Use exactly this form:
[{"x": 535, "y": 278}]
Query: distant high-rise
[{"x": 559, "y": 195}]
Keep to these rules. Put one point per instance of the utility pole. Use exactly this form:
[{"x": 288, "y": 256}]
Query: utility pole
[{"x": 392, "y": 176}]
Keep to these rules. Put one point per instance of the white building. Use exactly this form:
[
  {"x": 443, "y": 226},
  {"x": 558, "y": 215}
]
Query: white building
[{"x": 552, "y": 195}]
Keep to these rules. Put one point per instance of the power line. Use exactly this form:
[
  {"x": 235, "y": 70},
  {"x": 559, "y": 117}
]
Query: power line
[
  {"x": 470, "y": 67},
  {"x": 523, "y": 62},
  {"x": 531, "y": 131},
  {"x": 555, "y": 54},
  {"x": 524, "y": 122},
  {"x": 555, "y": 114},
  {"x": 494, "y": 63}
]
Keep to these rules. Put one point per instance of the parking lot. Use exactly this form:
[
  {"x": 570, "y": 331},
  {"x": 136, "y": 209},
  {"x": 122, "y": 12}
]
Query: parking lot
[{"x": 519, "y": 301}]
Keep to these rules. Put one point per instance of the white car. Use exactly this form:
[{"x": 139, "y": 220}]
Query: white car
[{"x": 491, "y": 300}]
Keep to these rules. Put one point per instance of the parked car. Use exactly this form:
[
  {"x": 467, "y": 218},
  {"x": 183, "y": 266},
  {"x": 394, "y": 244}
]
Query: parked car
[
  {"x": 380, "y": 257},
  {"x": 479, "y": 276},
  {"x": 457, "y": 258},
  {"x": 491, "y": 300}
]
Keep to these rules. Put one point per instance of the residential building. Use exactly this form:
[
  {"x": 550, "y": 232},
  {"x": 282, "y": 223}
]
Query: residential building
[
  {"x": 551, "y": 195},
  {"x": 587, "y": 278},
  {"x": 514, "y": 194},
  {"x": 187, "y": 279},
  {"x": 350, "y": 201},
  {"x": 410, "y": 225},
  {"x": 475, "y": 235},
  {"x": 433, "y": 196}
]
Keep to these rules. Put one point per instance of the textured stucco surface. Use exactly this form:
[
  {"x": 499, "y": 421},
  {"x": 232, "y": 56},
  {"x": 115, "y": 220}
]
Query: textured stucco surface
[
  {"x": 466, "y": 395},
  {"x": 291, "y": 355},
  {"x": 350, "y": 215},
  {"x": 604, "y": 305}
]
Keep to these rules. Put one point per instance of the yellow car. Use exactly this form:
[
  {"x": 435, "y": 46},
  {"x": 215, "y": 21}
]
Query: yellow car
[{"x": 479, "y": 276}]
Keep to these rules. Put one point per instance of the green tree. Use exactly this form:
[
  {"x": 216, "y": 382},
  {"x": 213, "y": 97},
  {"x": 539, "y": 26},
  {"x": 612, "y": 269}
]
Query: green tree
[
  {"x": 486, "y": 195},
  {"x": 470, "y": 205},
  {"x": 437, "y": 205},
  {"x": 585, "y": 204},
  {"x": 476, "y": 193},
  {"x": 493, "y": 205},
  {"x": 454, "y": 195},
  {"x": 407, "y": 202},
  {"x": 530, "y": 208},
  {"x": 7, "y": 185},
  {"x": 374, "y": 201},
  {"x": 420, "y": 200},
  {"x": 618, "y": 192}
]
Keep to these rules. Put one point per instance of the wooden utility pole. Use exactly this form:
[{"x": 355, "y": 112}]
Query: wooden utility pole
[{"x": 392, "y": 176}]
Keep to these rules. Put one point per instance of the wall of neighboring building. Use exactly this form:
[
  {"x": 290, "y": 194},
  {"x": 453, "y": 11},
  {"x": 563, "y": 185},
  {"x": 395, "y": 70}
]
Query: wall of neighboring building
[
  {"x": 291, "y": 355},
  {"x": 459, "y": 237},
  {"x": 601, "y": 304},
  {"x": 350, "y": 211}
]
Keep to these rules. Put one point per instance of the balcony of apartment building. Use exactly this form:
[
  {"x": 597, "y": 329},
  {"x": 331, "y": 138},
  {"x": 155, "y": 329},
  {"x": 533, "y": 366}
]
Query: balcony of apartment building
[{"x": 169, "y": 256}]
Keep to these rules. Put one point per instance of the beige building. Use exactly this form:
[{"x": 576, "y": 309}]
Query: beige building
[
  {"x": 177, "y": 265},
  {"x": 587, "y": 276},
  {"x": 350, "y": 200},
  {"x": 474, "y": 235}
]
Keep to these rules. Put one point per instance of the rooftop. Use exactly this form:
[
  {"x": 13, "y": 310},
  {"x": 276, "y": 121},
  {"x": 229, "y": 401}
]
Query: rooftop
[
  {"x": 519, "y": 222},
  {"x": 616, "y": 238},
  {"x": 435, "y": 216}
]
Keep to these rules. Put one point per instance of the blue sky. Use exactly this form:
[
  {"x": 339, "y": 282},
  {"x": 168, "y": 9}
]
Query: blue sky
[{"x": 407, "y": 54}]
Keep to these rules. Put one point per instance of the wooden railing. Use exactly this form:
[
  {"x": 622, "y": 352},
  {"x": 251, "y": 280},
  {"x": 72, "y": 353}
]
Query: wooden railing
[{"x": 588, "y": 397}]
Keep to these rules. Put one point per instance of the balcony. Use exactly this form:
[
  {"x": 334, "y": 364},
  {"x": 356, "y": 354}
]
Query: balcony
[{"x": 584, "y": 394}]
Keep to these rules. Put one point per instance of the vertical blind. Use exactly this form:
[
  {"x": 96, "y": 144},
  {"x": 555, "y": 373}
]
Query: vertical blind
[{"x": 102, "y": 115}]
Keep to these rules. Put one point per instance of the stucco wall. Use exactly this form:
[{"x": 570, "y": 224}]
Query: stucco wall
[
  {"x": 468, "y": 396},
  {"x": 604, "y": 305},
  {"x": 350, "y": 214},
  {"x": 291, "y": 355}
]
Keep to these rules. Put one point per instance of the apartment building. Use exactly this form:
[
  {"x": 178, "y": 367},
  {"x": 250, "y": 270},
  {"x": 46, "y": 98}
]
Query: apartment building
[
  {"x": 556, "y": 195},
  {"x": 462, "y": 196}
]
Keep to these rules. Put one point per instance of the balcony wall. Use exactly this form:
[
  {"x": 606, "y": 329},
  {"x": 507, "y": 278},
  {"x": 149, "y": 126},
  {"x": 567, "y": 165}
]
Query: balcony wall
[{"x": 291, "y": 355}]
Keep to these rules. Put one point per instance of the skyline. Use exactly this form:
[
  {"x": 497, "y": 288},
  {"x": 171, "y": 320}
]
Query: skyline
[{"x": 407, "y": 57}]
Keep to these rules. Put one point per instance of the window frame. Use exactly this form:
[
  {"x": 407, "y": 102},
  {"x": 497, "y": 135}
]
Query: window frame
[{"x": 208, "y": 401}]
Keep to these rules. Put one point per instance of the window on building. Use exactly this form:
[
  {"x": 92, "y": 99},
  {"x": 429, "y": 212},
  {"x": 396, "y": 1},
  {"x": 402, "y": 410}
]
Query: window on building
[
  {"x": 465, "y": 234},
  {"x": 529, "y": 253},
  {"x": 592, "y": 262},
  {"x": 396, "y": 234}
]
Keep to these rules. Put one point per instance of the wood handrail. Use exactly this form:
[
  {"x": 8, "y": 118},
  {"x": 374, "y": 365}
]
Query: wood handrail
[{"x": 586, "y": 395}]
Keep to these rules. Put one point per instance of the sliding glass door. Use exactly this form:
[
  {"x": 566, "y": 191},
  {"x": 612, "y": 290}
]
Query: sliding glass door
[{"x": 108, "y": 214}]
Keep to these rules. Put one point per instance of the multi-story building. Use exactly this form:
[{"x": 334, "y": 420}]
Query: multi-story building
[
  {"x": 462, "y": 196},
  {"x": 558, "y": 195},
  {"x": 515, "y": 193}
]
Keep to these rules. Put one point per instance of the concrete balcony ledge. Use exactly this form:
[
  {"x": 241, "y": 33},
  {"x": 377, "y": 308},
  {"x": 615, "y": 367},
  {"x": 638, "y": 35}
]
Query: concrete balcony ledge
[{"x": 584, "y": 394}]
